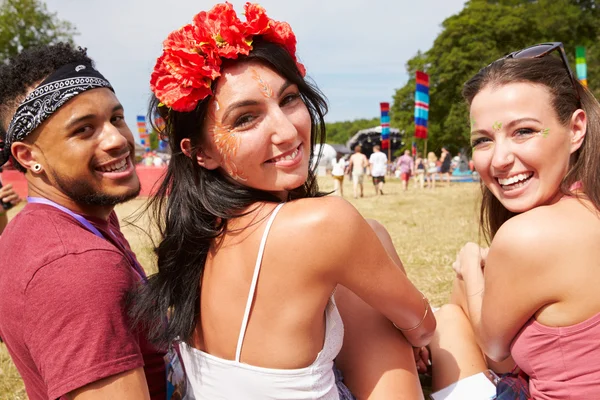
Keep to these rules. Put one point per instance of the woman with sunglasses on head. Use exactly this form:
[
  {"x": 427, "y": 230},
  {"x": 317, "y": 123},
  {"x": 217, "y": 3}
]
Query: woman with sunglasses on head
[
  {"x": 251, "y": 252},
  {"x": 532, "y": 299}
]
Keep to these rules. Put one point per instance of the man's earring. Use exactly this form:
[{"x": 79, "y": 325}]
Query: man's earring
[{"x": 37, "y": 167}]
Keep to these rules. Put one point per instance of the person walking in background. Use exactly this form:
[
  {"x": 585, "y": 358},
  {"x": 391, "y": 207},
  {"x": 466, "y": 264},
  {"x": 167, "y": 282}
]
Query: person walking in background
[
  {"x": 446, "y": 161},
  {"x": 357, "y": 165},
  {"x": 338, "y": 170},
  {"x": 405, "y": 164},
  {"x": 432, "y": 169},
  {"x": 378, "y": 165},
  {"x": 419, "y": 171}
]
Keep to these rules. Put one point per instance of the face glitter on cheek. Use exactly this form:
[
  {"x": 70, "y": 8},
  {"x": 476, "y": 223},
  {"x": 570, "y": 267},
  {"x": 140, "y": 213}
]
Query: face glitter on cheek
[
  {"x": 497, "y": 126},
  {"x": 545, "y": 132},
  {"x": 227, "y": 142},
  {"x": 264, "y": 87}
]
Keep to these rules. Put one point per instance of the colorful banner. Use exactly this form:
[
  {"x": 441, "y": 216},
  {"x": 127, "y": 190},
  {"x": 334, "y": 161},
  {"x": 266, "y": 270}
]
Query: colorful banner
[
  {"x": 385, "y": 125},
  {"x": 581, "y": 65},
  {"x": 143, "y": 132},
  {"x": 159, "y": 123},
  {"x": 421, "y": 105}
]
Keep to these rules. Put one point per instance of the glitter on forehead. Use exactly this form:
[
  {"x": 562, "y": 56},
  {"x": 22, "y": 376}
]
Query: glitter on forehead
[
  {"x": 264, "y": 87},
  {"x": 497, "y": 126}
]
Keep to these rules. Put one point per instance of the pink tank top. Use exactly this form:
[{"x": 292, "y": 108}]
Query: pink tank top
[{"x": 562, "y": 363}]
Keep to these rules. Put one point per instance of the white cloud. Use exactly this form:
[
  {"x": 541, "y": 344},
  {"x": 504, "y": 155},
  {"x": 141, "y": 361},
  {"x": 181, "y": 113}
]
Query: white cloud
[{"x": 355, "y": 50}]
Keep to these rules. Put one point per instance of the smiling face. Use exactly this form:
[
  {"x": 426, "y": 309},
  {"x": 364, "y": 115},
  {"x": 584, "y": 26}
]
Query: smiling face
[
  {"x": 258, "y": 129},
  {"x": 86, "y": 150},
  {"x": 520, "y": 148}
]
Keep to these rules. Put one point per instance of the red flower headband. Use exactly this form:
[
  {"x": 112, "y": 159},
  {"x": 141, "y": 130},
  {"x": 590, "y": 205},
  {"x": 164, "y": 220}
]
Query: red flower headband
[{"x": 192, "y": 55}]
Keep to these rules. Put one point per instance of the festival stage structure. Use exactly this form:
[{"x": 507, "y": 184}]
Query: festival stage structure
[{"x": 367, "y": 138}]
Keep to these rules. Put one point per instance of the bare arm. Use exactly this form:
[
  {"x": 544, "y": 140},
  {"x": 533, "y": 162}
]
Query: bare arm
[
  {"x": 3, "y": 221},
  {"x": 130, "y": 385},
  {"x": 352, "y": 255},
  {"x": 501, "y": 298},
  {"x": 8, "y": 195}
]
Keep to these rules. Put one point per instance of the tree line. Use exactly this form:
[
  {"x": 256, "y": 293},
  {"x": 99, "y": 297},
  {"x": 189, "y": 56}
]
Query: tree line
[{"x": 483, "y": 31}]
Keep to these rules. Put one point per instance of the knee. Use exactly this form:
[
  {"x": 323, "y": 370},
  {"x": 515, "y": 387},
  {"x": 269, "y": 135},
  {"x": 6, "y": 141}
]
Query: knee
[{"x": 449, "y": 313}]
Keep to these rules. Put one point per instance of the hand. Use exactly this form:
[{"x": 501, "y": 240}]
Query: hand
[
  {"x": 471, "y": 258},
  {"x": 422, "y": 359},
  {"x": 8, "y": 195}
]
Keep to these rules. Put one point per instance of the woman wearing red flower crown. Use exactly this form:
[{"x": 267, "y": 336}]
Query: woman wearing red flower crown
[{"x": 251, "y": 252}]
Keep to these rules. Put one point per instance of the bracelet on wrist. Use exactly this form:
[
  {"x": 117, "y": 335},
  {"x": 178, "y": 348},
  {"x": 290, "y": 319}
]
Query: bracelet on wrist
[{"x": 426, "y": 302}]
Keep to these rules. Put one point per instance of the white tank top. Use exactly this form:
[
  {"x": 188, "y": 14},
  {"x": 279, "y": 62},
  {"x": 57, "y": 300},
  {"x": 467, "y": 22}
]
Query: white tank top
[{"x": 214, "y": 378}]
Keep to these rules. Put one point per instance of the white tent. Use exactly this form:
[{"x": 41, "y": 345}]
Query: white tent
[{"x": 324, "y": 163}]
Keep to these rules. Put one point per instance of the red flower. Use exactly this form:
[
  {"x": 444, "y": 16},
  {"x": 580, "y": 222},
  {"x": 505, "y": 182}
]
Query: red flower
[
  {"x": 281, "y": 33},
  {"x": 257, "y": 21},
  {"x": 186, "y": 57},
  {"x": 192, "y": 55},
  {"x": 223, "y": 30},
  {"x": 175, "y": 92}
]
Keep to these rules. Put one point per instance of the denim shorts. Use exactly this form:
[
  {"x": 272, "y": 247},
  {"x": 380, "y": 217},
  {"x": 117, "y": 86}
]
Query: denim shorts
[{"x": 344, "y": 392}]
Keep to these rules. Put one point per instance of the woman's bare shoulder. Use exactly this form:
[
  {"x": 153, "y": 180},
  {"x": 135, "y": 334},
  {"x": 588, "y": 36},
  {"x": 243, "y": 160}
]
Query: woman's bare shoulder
[
  {"x": 320, "y": 213},
  {"x": 544, "y": 234}
]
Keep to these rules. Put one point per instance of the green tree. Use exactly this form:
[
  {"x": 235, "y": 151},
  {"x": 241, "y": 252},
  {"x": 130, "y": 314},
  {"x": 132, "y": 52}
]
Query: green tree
[
  {"x": 153, "y": 137},
  {"x": 482, "y": 32},
  {"x": 340, "y": 132},
  {"x": 28, "y": 23}
]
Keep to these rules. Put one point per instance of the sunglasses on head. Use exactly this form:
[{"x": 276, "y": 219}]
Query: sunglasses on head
[{"x": 542, "y": 50}]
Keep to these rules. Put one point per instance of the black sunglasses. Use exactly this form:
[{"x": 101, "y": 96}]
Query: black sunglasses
[{"x": 542, "y": 50}]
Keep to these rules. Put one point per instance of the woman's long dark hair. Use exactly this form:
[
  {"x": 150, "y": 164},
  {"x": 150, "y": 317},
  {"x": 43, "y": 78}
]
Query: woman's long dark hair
[
  {"x": 566, "y": 99},
  {"x": 193, "y": 205}
]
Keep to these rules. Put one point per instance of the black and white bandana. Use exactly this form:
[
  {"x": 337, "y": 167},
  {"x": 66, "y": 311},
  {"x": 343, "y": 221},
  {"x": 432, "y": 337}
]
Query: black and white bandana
[{"x": 57, "y": 89}]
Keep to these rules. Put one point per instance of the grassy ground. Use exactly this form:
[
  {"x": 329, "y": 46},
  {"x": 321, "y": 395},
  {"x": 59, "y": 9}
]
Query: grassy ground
[{"x": 428, "y": 227}]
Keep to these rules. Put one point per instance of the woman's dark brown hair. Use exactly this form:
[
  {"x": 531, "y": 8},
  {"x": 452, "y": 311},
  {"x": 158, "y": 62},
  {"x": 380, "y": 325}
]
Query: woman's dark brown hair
[{"x": 550, "y": 72}]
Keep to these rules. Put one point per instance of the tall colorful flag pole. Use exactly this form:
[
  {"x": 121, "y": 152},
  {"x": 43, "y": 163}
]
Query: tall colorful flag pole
[
  {"x": 385, "y": 129},
  {"x": 143, "y": 132},
  {"x": 581, "y": 65},
  {"x": 422, "y": 107}
]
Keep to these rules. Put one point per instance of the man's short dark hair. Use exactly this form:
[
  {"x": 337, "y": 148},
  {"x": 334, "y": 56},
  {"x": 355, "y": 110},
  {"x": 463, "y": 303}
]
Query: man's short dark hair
[{"x": 29, "y": 68}]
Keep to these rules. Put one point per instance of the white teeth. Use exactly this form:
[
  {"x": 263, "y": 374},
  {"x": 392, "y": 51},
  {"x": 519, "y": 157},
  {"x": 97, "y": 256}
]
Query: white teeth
[
  {"x": 288, "y": 157},
  {"x": 118, "y": 166},
  {"x": 514, "y": 179}
]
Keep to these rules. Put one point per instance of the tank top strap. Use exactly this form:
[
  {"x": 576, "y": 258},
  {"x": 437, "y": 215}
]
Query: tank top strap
[{"x": 261, "y": 249}]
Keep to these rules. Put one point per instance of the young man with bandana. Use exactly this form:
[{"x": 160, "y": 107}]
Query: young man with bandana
[{"x": 66, "y": 265}]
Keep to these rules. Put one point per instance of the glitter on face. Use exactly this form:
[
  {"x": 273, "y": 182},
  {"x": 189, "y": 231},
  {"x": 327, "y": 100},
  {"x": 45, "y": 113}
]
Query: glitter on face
[
  {"x": 264, "y": 87},
  {"x": 227, "y": 142},
  {"x": 497, "y": 126}
]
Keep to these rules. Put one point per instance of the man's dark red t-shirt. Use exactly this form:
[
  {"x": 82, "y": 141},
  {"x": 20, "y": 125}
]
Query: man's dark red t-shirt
[{"x": 62, "y": 306}]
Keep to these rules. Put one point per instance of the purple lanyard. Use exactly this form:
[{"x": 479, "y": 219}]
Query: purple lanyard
[{"x": 87, "y": 224}]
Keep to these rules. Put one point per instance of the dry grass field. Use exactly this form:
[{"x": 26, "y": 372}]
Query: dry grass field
[{"x": 428, "y": 227}]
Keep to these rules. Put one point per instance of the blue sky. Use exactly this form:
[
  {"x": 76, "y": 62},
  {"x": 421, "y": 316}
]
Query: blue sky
[{"x": 355, "y": 50}]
